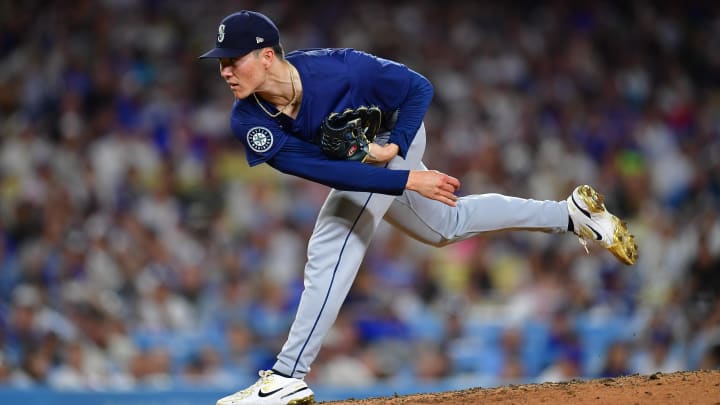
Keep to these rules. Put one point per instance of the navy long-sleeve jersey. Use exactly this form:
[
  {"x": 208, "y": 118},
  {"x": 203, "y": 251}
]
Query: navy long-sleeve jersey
[{"x": 333, "y": 80}]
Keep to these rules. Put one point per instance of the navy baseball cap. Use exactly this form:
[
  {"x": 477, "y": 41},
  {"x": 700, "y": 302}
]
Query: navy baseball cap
[{"x": 243, "y": 32}]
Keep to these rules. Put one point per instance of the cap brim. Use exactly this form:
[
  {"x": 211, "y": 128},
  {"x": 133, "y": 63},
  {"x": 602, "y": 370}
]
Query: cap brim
[{"x": 216, "y": 53}]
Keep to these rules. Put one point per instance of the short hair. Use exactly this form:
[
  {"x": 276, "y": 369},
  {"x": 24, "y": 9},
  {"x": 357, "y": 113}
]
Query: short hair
[{"x": 278, "y": 49}]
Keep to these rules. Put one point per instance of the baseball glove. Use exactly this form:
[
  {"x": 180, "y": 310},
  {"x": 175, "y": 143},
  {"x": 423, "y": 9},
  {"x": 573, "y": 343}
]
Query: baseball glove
[{"x": 348, "y": 135}]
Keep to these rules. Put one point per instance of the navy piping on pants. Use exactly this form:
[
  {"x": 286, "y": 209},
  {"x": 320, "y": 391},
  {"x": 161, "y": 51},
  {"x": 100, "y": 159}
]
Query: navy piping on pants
[{"x": 332, "y": 280}]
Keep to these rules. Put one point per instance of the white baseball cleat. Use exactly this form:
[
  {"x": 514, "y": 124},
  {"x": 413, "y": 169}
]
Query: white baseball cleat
[
  {"x": 592, "y": 221},
  {"x": 272, "y": 389}
]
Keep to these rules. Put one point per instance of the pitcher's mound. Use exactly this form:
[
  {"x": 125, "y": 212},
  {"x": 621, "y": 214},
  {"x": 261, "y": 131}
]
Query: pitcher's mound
[{"x": 687, "y": 387}]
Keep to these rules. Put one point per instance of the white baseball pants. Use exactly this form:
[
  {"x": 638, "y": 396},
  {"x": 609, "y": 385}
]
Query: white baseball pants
[{"x": 346, "y": 224}]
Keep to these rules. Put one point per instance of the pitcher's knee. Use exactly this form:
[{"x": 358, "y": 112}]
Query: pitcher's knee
[{"x": 441, "y": 241}]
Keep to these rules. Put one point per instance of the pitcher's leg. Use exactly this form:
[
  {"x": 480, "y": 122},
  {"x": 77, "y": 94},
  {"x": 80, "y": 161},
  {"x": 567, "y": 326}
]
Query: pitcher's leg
[
  {"x": 341, "y": 236},
  {"x": 343, "y": 231},
  {"x": 435, "y": 223}
]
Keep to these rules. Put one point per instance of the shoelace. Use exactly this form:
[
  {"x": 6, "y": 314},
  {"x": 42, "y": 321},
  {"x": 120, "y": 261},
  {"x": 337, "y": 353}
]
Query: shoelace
[
  {"x": 584, "y": 244},
  {"x": 264, "y": 376},
  {"x": 582, "y": 237}
]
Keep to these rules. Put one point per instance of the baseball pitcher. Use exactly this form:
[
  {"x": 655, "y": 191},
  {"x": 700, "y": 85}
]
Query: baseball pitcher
[{"x": 354, "y": 122}]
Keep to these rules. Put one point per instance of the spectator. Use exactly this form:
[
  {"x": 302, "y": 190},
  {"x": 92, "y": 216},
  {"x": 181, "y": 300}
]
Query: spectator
[
  {"x": 711, "y": 358},
  {"x": 616, "y": 361},
  {"x": 204, "y": 369}
]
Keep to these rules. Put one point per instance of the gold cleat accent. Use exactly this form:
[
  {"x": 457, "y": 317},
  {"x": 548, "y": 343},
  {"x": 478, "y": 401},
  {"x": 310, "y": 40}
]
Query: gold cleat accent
[
  {"x": 623, "y": 244},
  {"x": 592, "y": 221},
  {"x": 594, "y": 200},
  {"x": 303, "y": 401}
]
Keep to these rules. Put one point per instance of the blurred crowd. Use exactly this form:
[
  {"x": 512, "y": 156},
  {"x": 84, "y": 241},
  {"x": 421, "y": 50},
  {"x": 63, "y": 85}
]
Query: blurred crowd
[{"x": 137, "y": 249}]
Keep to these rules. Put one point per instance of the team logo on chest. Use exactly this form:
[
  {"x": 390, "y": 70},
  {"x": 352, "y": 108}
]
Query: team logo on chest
[{"x": 260, "y": 139}]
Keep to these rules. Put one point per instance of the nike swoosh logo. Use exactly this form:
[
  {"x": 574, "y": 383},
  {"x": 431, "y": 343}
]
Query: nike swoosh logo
[
  {"x": 587, "y": 214},
  {"x": 597, "y": 234},
  {"x": 295, "y": 392},
  {"x": 262, "y": 394}
]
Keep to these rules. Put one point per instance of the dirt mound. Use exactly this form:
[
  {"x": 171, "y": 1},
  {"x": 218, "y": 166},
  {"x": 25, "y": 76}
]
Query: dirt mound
[{"x": 696, "y": 387}]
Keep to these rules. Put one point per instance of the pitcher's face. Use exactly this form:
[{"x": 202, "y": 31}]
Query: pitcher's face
[{"x": 244, "y": 74}]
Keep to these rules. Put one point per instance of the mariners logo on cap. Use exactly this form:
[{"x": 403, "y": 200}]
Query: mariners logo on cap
[
  {"x": 221, "y": 32},
  {"x": 259, "y": 139}
]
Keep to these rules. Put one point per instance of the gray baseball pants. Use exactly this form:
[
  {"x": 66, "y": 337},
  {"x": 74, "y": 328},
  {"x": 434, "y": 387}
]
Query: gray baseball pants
[{"x": 346, "y": 224}]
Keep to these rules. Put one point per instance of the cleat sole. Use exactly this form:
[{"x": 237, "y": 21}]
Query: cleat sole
[
  {"x": 303, "y": 401},
  {"x": 623, "y": 245}
]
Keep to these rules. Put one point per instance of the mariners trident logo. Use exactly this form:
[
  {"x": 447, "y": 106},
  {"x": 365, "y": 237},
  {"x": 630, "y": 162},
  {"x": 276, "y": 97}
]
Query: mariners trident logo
[
  {"x": 221, "y": 32},
  {"x": 259, "y": 139}
]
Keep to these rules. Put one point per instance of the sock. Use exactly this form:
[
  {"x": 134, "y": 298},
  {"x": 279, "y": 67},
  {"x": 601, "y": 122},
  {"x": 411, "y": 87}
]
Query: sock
[{"x": 279, "y": 373}]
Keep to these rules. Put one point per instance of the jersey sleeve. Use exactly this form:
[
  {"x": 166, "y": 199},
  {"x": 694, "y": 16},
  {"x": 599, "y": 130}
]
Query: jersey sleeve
[
  {"x": 306, "y": 160},
  {"x": 393, "y": 86},
  {"x": 384, "y": 83},
  {"x": 262, "y": 140}
]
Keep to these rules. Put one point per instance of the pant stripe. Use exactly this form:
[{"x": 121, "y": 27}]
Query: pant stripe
[{"x": 327, "y": 295}]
